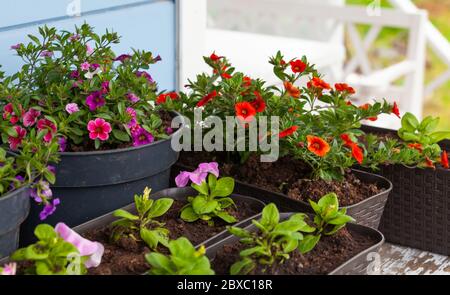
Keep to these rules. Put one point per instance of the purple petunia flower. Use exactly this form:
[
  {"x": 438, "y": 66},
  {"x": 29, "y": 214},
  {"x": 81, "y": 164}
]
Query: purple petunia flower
[
  {"x": 133, "y": 97},
  {"x": 17, "y": 46},
  {"x": 145, "y": 75},
  {"x": 95, "y": 66},
  {"x": 51, "y": 168},
  {"x": 62, "y": 141},
  {"x": 95, "y": 100},
  {"x": 197, "y": 176},
  {"x": 46, "y": 53},
  {"x": 157, "y": 58},
  {"x": 49, "y": 209},
  {"x": 72, "y": 108},
  {"x": 20, "y": 178},
  {"x": 41, "y": 191},
  {"x": 122, "y": 57},
  {"x": 141, "y": 137}
]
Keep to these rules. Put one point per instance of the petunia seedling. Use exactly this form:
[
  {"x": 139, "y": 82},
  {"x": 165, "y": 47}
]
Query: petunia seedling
[
  {"x": 421, "y": 132},
  {"x": 183, "y": 260},
  {"x": 328, "y": 220},
  {"x": 213, "y": 194},
  {"x": 59, "y": 251},
  {"x": 272, "y": 242},
  {"x": 143, "y": 226}
]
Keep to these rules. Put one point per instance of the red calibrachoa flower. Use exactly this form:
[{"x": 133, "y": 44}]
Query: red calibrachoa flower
[
  {"x": 444, "y": 160},
  {"x": 366, "y": 107},
  {"x": 15, "y": 141},
  {"x": 416, "y": 146},
  {"x": 357, "y": 153},
  {"x": 8, "y": 113},
  {"x": 162, "y": 98},
  {"x": 347, "y": 140},
  {"x": 395, "y": 110},
  {"x": 214, "y": 57},
  {"x": 297, "y": 66},
  {"x": 49, "y": 126},
  {"x": 245, "y": 111},
  {"x": 259, "y": 104},
  {"x": 318, "y": 83},
  {"x": 207, "y": 98},
  {"x": 317, "y": 145},
  {"x": 291, "y": 89},
  {"x": 288, "y": 131},
  {"x": 344, "y": 87},
  {"x": 246, "y": 81},
  {"x": 429, "y": 163}
]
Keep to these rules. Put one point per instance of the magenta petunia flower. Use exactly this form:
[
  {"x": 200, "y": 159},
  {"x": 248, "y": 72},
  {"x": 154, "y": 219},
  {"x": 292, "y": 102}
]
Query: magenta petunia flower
[
  {"x": 132, "y": 112},
  {"x": 72, "y": 108},
  {"x": 105, "y": 87},
  {"x": 157, "y": 58},
  {"x": 122, "y": 57},
  {"x": 9, "y": 269},
  {"x": 133, "y": 97},
  {"x": 99, "y": 128},
  {"x": 168, "y": 130},
  {"x": 30, "y": 117},
  {"x": 145, "y": 75},
  {"x": 86, "y": 247},
  {"x": 46, "y": 53},
  {"x": 44, "y": 124},
  {"x": 141, "y": 137},
  {"x": 74, "y": 74},
  {"x": 95, "y": 100},
  {"x": 85, "y": 66},
  {"x": 197, "y": 176},
  {"x": 16, "y": 46},
  {"x": 49, "y": 209},
  {"x": 15, "y": 141},
  {"x": 62, "y": 141}
]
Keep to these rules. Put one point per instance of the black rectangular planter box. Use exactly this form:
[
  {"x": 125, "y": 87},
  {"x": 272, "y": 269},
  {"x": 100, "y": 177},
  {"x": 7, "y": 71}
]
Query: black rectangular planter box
[
  {"x": 367, "y": 212},
  {"x": 357, "y": 265},
  {"x": 417, "y": 213}
]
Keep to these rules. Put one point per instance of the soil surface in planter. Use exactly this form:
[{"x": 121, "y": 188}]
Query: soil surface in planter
[
  {"x": 88, "y": 146},
  {"x": 126, "y": 256},
  {"x": 287, "y": 176},
  {"x": 330, "y": 253}
]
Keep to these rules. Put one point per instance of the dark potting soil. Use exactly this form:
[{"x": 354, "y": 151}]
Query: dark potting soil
[
  {"x": 88, "y": 146},
  {"x": 287, "y": 176},
  {"x": 330, "y": 253},
  {"x": 126, "y": 256}
]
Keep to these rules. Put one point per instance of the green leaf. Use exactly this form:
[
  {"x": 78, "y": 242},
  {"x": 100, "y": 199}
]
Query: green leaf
[
  {"x": 270, "y": 215},
  {"x": 159, "y": 262},
  {"x": 212, "y": 180},
  {"x": 308, "y": 243},
  {"x": 439, "y": 136},
  {"x": 226, "y": 217},
  {"x": 239, "y": 232},
  {"x": 428, "y": 124},
  {"x": 160, "y": 207},
  {"x": 34, "y": 252},
  {"x": 243, "y": 267},
  {"x": 329, "y": 205},
  {"x": 410, "y": 122},
  {"x": 202, "y": 205},
  {"x": 341, "y": 219},
  {"x": 315, "y": 207},
  {"x": 121, "y": 135},
  {"x": 153, "y": 237},
  {"x": 202, "y": 188},
  {"x": 45, "y": 232},
  {"x": 125, "y": 214},
  {"x": 188, "y": 214},
  {"x": 251, "y": 251},
  {"x": 224, "y": 187},
  {"x": 225, "y": 202}
]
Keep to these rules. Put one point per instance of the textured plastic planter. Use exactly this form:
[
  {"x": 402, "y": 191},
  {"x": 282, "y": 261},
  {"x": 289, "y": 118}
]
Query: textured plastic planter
[
  {"x": 176, "y": 194},
  {"x": 417, "y": 213},
  {"x": 90, "y": 184},
  {"x": 367, "y": 212},
  {"x": 14, "y": 208},
  {"x": 357, "y": 265}
]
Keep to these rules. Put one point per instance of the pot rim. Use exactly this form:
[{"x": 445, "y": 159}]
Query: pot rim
[
  {"x": 133, "y": 148},
  {"x": 14, "y": 192}
]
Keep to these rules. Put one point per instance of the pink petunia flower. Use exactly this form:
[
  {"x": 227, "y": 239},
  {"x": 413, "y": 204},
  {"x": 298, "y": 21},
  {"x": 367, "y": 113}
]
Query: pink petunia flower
[
  {"x": 99, "y": 128},
  {"x": 30, "y": 117},
  {"x": 86, "y": 247},
  {"x": 133, "y": 97},
  {"x": 8, "y": 113},
  {"x": 44, "y": 124},
  {"x": 197, "y": 176},
  {"x": 95, "y": 100},
  {"x": 15, "y": 141},
  {"x": 72, "y": 108},
  {"x": 89, "y": 49},
  {"x": 9, "y": 269},
  {"x": 85, "y": 66},
  {"x": 16, "y": 46}
]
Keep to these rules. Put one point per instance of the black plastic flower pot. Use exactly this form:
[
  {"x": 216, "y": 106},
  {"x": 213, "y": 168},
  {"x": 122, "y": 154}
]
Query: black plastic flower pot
[
  {"x": 14, "y": 208},
  {"x": 417, "y": 213},
  {"x": 180, "y": 194},
  {"x": 367, "y": 212},
  {"x": 90, "y": 184},
  {"x": 357, "y": 265}
]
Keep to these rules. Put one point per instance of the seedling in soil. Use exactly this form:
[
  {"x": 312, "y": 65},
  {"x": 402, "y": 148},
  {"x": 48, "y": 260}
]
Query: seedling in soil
[
  {"x": 328, "y": 220},
  {"x": 273, "y": 241},
  {"x": 213, "y": 197},
  {"x": 143, "y": 226},
  {"x": 183, "y": 260},
  {"x": 421, "y": 132}
]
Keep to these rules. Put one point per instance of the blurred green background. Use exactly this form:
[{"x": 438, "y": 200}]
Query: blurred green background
[{"x": 391, "y": 44}]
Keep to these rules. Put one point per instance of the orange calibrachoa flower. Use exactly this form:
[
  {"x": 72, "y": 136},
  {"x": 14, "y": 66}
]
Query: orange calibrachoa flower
[
  {"x": 429, "y": 163},
  {"x": 297, "y": 66},
  {"x": 344, "y": 87},
  {"x": 207, "y": 98},
  {"x": 318, "y": 83},
  {"x": 291, "y": 89},
  {"x": 357, "y": 153},
  {"x": 395, "y": 110},
  {"x": 245, "y": 111},
  {"x": 444, "y": 160},
  {"x": 288, "y": 131},
  {"x": 259, "y": 104},
  {"x": 317, "y": 145},
  {"x": 416, "y": 146},
  {"x": 347, "y": 140}
]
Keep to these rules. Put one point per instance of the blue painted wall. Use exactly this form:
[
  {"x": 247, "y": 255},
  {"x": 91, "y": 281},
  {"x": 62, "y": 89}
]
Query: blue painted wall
[{"x": 148, "y": 25}]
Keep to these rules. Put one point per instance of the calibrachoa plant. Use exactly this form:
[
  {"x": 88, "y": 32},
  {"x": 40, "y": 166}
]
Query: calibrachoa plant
[
  {"x": 89, "y": 97},
  {"x": 143, "y": 226},
  {"x": 271, "y": 242},
  {"x": 213, "y": 197},
  {"x": 59, "y": 251},
  {"x": 416, "y": 145},
  {"x": 183, "y": 260}
]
